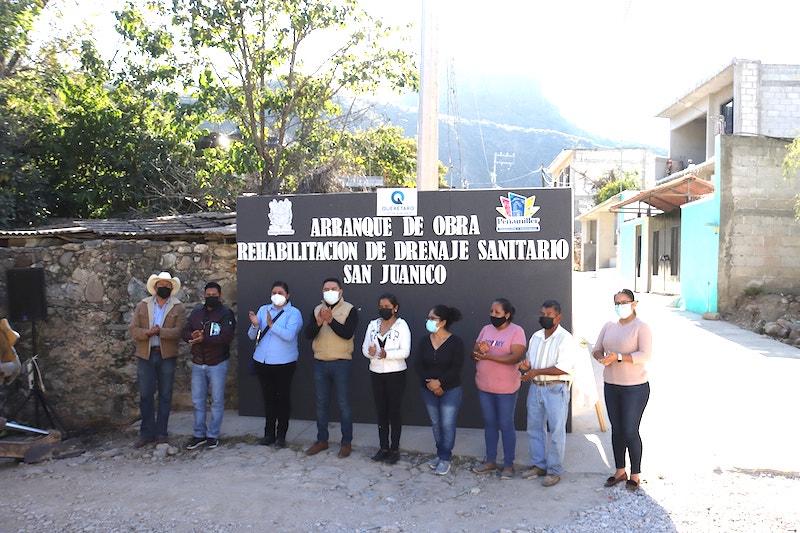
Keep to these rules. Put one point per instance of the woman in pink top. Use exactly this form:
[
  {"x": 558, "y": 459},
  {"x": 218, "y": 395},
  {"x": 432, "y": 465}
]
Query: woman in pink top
[
  {"x": 498, "y": 349},
  {"x": 624, "y": 348}
]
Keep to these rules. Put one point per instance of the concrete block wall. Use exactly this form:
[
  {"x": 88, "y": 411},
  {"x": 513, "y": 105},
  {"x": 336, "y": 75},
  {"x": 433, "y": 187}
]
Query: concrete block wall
[
  {"x": 746, "y": 84},
  {"x": 780, "y": 100},
  {"x": 759, "y": 234}
]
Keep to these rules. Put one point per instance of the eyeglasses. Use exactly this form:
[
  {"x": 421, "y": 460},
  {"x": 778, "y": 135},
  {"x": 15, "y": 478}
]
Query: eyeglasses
[
  {"x": 435, "y": 319},
  {"x": 617, "y": 304}
]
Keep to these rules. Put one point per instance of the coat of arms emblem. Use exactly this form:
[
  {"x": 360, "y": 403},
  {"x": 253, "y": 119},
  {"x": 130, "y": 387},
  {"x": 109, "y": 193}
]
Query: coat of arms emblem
[{"x": 280, "y": 217}]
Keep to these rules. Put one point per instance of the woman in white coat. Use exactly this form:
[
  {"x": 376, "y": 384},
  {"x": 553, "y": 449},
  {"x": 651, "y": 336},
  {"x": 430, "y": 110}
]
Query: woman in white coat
[{"x": 387, "y": 345}]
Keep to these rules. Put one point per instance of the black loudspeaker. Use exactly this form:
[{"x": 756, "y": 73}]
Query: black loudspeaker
[{"x": 26, "y": 294}]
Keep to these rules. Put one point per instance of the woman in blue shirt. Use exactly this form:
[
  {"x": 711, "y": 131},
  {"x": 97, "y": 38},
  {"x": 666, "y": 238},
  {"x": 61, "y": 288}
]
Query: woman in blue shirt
[{"x": 275, "y": 328}]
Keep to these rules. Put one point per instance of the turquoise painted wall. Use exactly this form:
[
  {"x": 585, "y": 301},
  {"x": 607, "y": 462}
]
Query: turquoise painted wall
[
  {"x": 700, "y": 255},
  {"x": 700, "y": 251},
  {"x": 626, "y": 262},
  {"x": 626, "y": 245}
]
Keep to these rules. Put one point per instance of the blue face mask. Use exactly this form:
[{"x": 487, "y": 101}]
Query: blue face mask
[
  {"x": 623, "y": 310},
  {"x": 431, "y": 326}
]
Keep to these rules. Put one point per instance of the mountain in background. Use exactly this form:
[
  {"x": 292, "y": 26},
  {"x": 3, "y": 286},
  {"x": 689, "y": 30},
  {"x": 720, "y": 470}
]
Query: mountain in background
[{"x": 497, "y": 124}]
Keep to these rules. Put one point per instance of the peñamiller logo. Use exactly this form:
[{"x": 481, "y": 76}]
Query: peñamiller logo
[{"x": 517, "y": 211}]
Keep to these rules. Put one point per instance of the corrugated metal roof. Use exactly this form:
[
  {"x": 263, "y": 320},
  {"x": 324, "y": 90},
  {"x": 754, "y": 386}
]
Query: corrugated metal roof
[
  {"x": 207, "y": 224},
  {"x": 671, "y": 195}
]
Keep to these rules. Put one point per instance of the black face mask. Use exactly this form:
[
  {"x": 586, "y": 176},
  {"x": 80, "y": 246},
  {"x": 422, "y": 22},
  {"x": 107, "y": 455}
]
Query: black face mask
[
  {"x": 546, "y": 322},
  {"x": 385, "y": 313},
  {"x": 498, "y": 321},
  {"x": 212, "y": 301},
  {"x": 163, "y": 292}
]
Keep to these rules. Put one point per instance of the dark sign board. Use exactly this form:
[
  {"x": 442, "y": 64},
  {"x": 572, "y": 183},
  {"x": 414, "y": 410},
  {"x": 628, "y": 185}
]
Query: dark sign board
[{"x": 461, "y": 248}]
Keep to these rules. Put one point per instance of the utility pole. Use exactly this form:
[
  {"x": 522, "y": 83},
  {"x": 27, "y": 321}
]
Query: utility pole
[
  {"x": 428, "y": 125},
  {"x": 501, "y": 158}
]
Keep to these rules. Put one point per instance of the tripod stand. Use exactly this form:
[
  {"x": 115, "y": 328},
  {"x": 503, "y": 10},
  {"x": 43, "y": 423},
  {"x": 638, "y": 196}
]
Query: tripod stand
[{"x": 36, "y": 390}]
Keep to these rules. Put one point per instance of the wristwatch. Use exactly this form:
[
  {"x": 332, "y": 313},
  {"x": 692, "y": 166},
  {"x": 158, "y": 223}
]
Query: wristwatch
[{"x": 619, "y": 358}]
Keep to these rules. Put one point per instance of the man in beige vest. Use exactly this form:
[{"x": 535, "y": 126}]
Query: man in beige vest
[{"x": 331, "y": 328}]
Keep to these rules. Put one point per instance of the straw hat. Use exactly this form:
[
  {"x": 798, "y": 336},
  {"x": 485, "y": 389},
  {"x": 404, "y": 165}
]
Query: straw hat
[
  {"x": 164, "y": 276},
  {"x": 8, "y": 333}
]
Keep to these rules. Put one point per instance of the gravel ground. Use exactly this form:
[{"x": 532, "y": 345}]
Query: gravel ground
[
  {"x": 720, "y": 439},
  {"x": 244, "y": 487},
  {"x": 718, "y": 501}
]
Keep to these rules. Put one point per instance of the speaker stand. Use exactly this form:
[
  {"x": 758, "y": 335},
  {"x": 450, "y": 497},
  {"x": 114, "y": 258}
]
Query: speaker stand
[{"x": 41, "y": 404}]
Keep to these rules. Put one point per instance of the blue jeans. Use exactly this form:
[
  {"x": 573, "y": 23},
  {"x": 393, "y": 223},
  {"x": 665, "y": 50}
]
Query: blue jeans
[
  {"x": 154, "y": 374},
  {"x": 498, "y": 418},
  {"x": 443, "y": 411},
  {"x": 336, "y": 373},
  {"x": 625, "y": 406},
  {"x": 548, "y": 406},
  {"x": 205, "y": 377}
]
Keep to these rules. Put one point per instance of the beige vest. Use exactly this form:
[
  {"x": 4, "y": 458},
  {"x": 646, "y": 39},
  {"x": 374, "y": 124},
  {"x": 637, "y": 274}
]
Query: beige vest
[{"x": 327, "y": 345}]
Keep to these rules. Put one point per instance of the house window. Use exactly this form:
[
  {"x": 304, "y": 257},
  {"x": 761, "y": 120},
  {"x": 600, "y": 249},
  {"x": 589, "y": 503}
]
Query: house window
[
  {"x": 726, "y": 112},
  {"x": 563, "y": 178},
  {"x": 674, "y": 250},
  {"x": 655, "y": 252},
  {"x": 638, "y": 255}
]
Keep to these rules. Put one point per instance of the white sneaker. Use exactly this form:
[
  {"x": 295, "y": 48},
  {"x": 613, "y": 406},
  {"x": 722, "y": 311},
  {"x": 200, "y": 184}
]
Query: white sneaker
[
  {"x": 442, "y": 468},
  {"x": 433, "y": 463}
]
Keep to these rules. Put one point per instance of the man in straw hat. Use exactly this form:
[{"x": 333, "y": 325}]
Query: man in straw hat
[
  {"x": 9, "y": 361},
  {"x": 156, "y": 327}
]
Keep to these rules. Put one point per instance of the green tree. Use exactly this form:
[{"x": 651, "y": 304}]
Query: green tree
[
  {"x": 614, "y": 184},
  {"x": 26, "y": 118},
  {"x": 384, "y": 151},
  {"x": 791, "y": 167},
  {"x": 131, "y": 148},
  {"x": 16, "y": 22},
  {"x": 256, "y": 61},
  {"x": 73, "y": 146}
]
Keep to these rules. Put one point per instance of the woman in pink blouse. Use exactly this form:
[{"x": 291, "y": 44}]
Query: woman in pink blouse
[
  {"x": 624, "y": 348},
  {"x": 498, "y": 349}
]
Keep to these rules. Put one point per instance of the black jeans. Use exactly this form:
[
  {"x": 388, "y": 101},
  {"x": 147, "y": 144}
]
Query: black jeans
[
  {"x": 388, "y": 390},
  {"x": 276, "y": 389},
  {"x": 625, "y": 405}
]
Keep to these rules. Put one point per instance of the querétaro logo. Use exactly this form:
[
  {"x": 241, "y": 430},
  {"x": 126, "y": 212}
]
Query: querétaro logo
[
  {"x": 398, "y": 197},
  {"x": 396, "y": 202},
  {"x": 517, "y": 211}
]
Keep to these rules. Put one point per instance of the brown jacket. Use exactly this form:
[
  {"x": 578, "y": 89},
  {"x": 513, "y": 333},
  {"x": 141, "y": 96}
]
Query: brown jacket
[{"x": 142, "y": 320}]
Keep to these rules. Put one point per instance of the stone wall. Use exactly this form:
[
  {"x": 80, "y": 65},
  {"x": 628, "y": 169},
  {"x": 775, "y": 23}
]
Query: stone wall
[
  {"x": 759, "y": 234},
  {"x": 84, "y": 350}
]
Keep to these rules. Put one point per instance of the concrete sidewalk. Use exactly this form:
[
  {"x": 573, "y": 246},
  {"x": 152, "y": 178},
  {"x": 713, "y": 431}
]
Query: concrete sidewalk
[{"x": 720, "y": 396}]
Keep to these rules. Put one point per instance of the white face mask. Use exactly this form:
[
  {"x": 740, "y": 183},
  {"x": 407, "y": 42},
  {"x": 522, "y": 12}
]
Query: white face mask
[
  {"x": 330, "y": 297},
  {"x": 279, "y": 300},
  {"x": 624, "y": 310}
]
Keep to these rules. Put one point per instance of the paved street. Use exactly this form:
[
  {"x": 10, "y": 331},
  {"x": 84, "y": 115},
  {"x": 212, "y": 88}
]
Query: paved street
[{"x": 721, "y": 396}]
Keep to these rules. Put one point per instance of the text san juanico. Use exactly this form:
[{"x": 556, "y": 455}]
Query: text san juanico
[{"x": 415, "y": 260}]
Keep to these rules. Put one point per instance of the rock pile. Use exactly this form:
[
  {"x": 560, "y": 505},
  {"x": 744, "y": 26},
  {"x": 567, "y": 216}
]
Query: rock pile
[{"x": 775, "y": 315}]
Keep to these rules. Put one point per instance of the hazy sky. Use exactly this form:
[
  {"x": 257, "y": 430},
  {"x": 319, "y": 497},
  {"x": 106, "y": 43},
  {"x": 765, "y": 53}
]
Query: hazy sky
[{"x": 609, "y": 65}]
